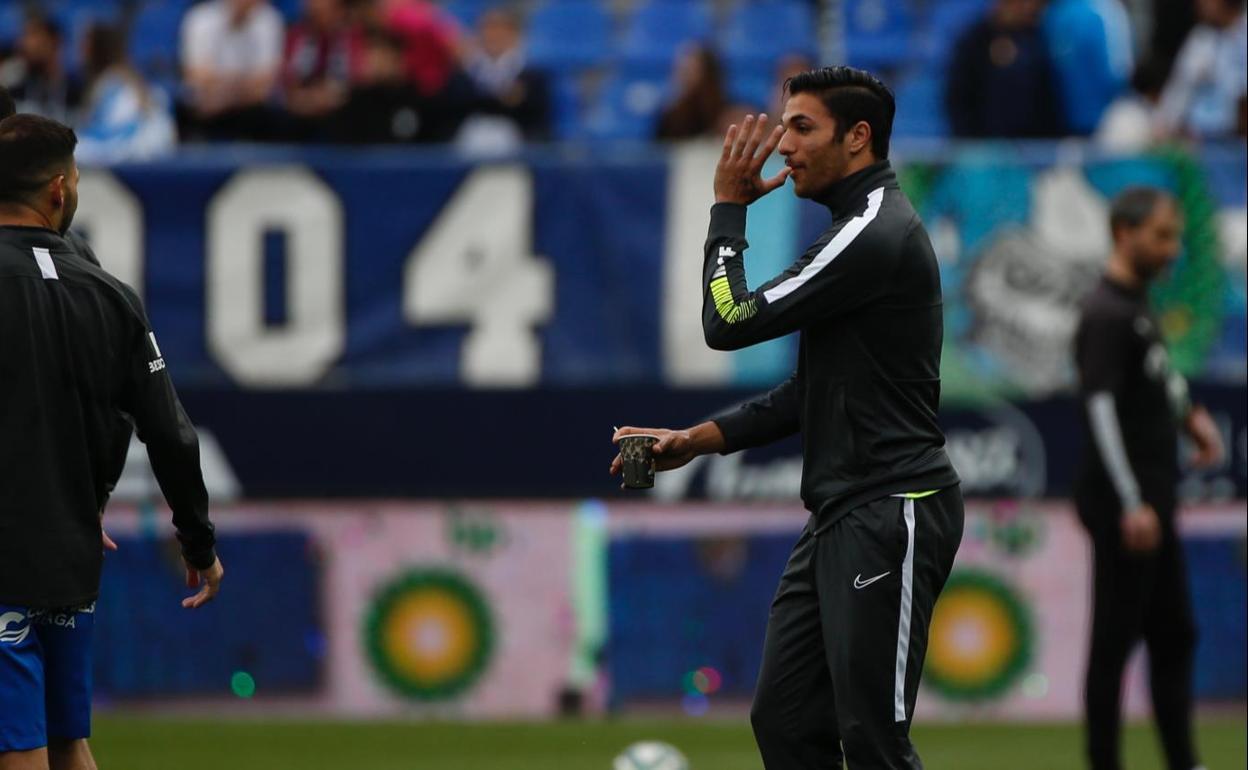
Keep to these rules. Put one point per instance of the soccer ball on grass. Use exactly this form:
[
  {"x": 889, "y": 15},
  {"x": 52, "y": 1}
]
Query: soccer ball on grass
[{"x": 651, "y": 755}]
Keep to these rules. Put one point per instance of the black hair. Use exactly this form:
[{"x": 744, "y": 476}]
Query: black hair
[
  {"x": 7, "y": 105},
  {"x": 851, "y": 96},
  {"x": 1149, "y": 77},
  {"x": 46, "y": 24},
  {"x": 1134, "y": 205},
  {"x": 33, "y": 150},
  {"x": 106, "y": 47}
]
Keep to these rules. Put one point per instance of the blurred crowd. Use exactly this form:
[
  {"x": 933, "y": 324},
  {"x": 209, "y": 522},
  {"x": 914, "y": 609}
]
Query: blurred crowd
[
  {"x": 1030, "y": 68},
  {"x": 137, "y": 76}
]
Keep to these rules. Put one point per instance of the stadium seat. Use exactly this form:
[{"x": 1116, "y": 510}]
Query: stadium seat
[
  {"x": 945, "y": 24},
  {"x": 567, "y": 103},
  {"x": 569, "y": 36},
  {"x": 11, "y": 16},
  {"x": 921, "y": 106},
  {"x": 758, "y": 33},
  {"x": 753, "y": 89},
  {"x": 879, "y": 34},
  {"x": 291, "y": 10},
  {"x": 106, "y": 6},
  {"x": 658, "y": 29},
  {"x": 466, "y": 12},
  {"x": 627, "y": 107},
  {"x": 75, "y": 18},
  {"x": 154, "y": 37}
]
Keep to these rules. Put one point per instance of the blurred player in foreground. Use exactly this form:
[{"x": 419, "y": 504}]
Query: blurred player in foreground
[
  {"x": 78, "y": 360},
  {"x": 1126, "y": 492},
  {"x": 83, "y": 249},
  {"x": 848, "y": 627}
]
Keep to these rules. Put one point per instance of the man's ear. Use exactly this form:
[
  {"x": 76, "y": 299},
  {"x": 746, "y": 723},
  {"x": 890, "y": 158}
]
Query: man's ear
[
  {"x": 859, "y": 137},
  {"x": 57, "y": 190}
]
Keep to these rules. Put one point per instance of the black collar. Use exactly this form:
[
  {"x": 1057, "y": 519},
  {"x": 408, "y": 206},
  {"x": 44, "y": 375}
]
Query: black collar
[
  {"x": 847, "y": 195},
  {"x": 35, "y": 234},
  {"x": 1138, "y": 292}
]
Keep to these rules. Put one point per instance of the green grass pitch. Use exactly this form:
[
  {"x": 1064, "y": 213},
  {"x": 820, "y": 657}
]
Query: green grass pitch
[{"x": 146, "y": 743}]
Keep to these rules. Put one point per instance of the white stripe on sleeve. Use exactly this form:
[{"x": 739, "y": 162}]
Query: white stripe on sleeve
[{"x": 1103, "y": 417}]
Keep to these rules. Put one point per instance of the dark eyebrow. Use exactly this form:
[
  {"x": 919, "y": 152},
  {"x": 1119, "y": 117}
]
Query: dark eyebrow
[{"x": 798, "y": 116}]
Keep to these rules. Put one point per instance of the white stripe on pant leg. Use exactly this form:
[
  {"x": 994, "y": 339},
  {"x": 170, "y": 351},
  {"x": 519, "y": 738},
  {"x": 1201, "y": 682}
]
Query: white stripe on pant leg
[{"x": 903, "y": 623}]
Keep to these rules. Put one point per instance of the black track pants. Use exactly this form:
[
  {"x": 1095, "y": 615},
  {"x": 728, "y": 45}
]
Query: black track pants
[
  {"x": 1138, "y": 597},
  {"x": 848, "y": 632}
]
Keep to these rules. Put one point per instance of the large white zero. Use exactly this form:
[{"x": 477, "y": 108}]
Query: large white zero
[
  {"x": 112, "y": 218},
  {"x": 297, "y": 203},
  {"x": 475, "y": 267}
]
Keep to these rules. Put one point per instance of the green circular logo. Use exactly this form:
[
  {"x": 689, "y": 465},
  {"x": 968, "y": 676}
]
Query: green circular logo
[
  {"x": 980, "y": 640},
  {"x": 429, "y": 634}
]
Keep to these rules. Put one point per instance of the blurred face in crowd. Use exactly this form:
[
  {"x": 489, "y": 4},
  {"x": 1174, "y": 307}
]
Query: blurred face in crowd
[
  {"x": 1018, "y": 14},
  {"x": 39, "y": 47},
  {"x": 791, "y": 65},
  {"x": 691, "y": 69},
  {"x": 242, "y": 8},
  {"x": 499, "y": 33},
  {"x": 811, "y": 149},
  {"x": 1155, "y": 244},
  {"x": 1219, "y": 13},
  {"x": 383, "y": 63},
  {"x": 324, "y": 14}
]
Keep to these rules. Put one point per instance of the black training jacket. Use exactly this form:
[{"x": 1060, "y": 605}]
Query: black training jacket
[
  {"x": 866, "y": 299},
  {"x": 1133, "y": 404},
  {"x": 78, "y": 362}
]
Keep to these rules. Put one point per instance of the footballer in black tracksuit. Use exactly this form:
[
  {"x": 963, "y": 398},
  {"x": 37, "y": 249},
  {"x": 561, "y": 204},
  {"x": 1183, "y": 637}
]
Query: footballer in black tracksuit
[
  {"x": 1134, "y": 402},
  {"x": 848, "y": 627},
  {"x": 79, "y": 365}
]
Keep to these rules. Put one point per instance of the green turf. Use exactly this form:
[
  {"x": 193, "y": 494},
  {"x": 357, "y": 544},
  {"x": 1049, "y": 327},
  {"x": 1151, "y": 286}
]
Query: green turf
[{"x": 135, "y": 743}]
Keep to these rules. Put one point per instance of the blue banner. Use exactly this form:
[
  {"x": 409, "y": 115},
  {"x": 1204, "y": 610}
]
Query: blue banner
[
  {"x": 147, "y": 644},
  {"x": 320, "y": 269},
  {"x": 557, "y": 443},
  {"x": 683, "y": 606}
]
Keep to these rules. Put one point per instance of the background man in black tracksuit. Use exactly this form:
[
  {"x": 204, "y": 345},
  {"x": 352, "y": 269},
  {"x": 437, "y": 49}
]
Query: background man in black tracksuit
[
  {"x": 1134, "y": 405},
  {"x": 79, "y": 364},
  {"x": 848, "y": 627}
]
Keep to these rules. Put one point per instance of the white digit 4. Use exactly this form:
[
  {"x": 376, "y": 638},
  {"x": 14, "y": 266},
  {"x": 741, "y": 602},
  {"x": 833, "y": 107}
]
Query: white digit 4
[{"x": 475, "y": 267}]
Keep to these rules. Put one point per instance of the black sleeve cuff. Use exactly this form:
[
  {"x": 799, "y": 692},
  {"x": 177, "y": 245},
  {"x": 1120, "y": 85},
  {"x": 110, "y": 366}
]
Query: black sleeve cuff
[
  {"x": 199, "y": 555},
  {"x": 727, "y": 221},
  {"x": 200, "y": 559},
  {"x": 732, "y": 426}
]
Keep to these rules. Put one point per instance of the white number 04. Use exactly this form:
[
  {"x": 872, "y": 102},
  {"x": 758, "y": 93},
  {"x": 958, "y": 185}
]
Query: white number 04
[{"x": 472, "y": 268}]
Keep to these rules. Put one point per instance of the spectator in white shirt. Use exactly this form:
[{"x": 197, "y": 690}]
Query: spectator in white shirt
[
  {"x": 231, "y": 60},
  {"x": 1205, "y": 95}
]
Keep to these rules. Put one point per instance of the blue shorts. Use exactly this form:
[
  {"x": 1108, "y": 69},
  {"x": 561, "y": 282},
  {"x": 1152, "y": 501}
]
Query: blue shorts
[{"x": 45, "y": 675}]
